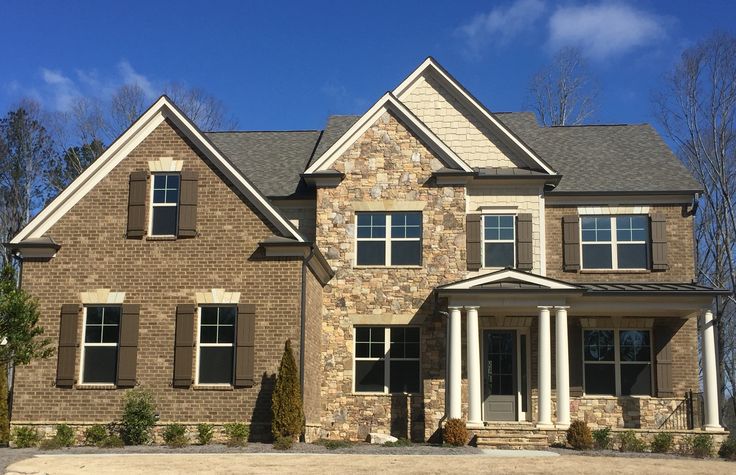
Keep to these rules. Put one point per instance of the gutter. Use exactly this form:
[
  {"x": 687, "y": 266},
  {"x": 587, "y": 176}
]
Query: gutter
[{"x": 303, "y": 320}]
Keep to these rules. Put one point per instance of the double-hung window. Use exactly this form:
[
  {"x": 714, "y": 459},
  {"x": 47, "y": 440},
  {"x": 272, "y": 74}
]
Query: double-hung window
[
  {"x": 499, "y": 240},
  {"x": 216, "y": 357},
  {"x": 165, "y": 204},
  {"x": 389, "y": 239},
  {"x": 387, "y": 359},
  {"x": 617, "y": 362},
  {"x": 100, "y": 351},
  {"x": 615, "y": 242}
]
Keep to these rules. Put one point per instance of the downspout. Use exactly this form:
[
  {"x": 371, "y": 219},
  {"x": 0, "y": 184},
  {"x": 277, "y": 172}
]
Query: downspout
[
  {"x": 11, "y": 369},
  {"x": 303, "y": 320}
]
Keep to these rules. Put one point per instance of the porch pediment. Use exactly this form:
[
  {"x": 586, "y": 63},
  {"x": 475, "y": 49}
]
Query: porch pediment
[{"x": 510, "y": 280}]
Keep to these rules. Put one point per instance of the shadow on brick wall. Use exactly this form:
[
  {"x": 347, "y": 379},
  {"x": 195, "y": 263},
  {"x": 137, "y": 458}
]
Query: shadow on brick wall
[{"x": 260, "y": 425}]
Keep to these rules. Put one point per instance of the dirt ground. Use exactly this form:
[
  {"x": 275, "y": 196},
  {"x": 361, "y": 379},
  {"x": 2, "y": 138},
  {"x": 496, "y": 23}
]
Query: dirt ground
[{"x": 350, "y": 463}]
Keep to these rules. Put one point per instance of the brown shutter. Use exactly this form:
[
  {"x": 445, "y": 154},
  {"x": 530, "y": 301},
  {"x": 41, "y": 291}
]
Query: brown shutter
[
  {"x": 659, "y": 242},
  {"x": 128, "y": 347},
  {"x": 663, "y": 359},
  {"x": 245, "y": 345},
  {"x": 575, "y": 349},
  {"x": 472, "y": 239},
  {"x": 184, "y": 346},
  {"x": 571, "y": 242},
  {"x": 188, "y": 204},
  {"x": 67, "y": 346},
  {"x": 524, "y": 242},
  {"x": 137, "y": 204}
]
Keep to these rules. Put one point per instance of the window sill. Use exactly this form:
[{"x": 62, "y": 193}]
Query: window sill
[
  {"x": 386, "y": 267},
  {"x": 213, "y": 387},
  {"x": 615, "y": 271},
  {"x": 103, "y": 386},
  {"x": 160, "y": 238}
]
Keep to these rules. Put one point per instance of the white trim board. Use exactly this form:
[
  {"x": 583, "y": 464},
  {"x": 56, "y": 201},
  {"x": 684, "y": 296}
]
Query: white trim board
[
  {"x": 431, "y": 66},
  {"x": 161, "y": 110},
  {"x": 388, "y": 102},
  {"x": 508, "y": 274}
]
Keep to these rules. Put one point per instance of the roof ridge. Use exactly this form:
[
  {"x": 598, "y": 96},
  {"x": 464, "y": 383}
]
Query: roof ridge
[
  {"x": 260, "y": 131},
  {"x": 622, "y": 124}
]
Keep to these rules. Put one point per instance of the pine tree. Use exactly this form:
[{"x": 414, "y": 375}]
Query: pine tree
[{"x": 286, "y": 401}]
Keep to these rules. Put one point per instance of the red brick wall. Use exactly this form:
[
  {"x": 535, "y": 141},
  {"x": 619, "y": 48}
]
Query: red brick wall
[{"x": 159, "y": 275}]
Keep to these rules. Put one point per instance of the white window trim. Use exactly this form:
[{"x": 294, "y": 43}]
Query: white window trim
[
  {"x": 617, "y": 361},
  {"x": 84, "y": 345},
  {"x": 161, "y": 205},
  {"x": 211, "y": 345},
  {"x": 388, "y": 240},
  {"x": 386, "y": 361},
  {"x": 483, "y": 239},
  {"x": 613, "y": 243}
]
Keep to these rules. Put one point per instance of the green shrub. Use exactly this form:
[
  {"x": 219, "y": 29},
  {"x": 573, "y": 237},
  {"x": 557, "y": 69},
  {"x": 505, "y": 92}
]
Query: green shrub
[
  {"x": 52, "y": 443},
  {"x": 65, "y": 435},
  {"x": 204, "y": 433},
  {"x": 602, "y": 438},
  {"x": 286, "y": 400},
  {"x": 4, "y": 419},
  {"x": 631, "y": 443},
  {"x": 399, "y": 443},
  {"x": 662, "y": 443},
  {"x": 283, "y": 443},
  {"x": 139, "y": 417},
  {"x": 455, "y": 433},
  {"x": 94, "y": 435},
  {"x": 24, "y": 437},
  {"x": 237, "y": 434},
  {"x": 728, "y": 449},
  {"x": 702, "y": 446},
  {"x": 579, "y": 436},
  {"x": 112, "y": 441},
  {"x": 333, "y": 444},
  {"x": 175, "y": 435}
]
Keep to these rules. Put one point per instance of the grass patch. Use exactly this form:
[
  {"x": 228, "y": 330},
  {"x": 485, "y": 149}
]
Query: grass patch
[
  {"x": 333, "y": 444},
  {"x": 399, "y": 443}
]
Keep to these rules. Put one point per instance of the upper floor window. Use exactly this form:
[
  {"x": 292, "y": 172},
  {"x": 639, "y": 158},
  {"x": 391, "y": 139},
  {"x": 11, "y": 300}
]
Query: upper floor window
[
  {"x": 499, "y": 241},
  {"x": 387, "y": 359},
  {"x": 215, "y": 362},
  {"x": 165, "y": 204},
  {"x": 615, "y": 242},
  {"x": 617, "y": 362},
  {"x": 100, "y": 351},
  {"x": 389, "y": 239}
]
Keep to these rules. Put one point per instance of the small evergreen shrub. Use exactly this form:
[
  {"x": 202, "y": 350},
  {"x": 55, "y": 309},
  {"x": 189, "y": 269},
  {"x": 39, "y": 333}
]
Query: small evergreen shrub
[
  {"x": 399, "y": 443},
  {"x": 204, "y": 433},
  {"x": 175, "y": 435},
  {"x": 702, "y": 446},
  {"x": 112, "y": 441},
  {"x": 333, "y": 444},
  {"x": 728, "y": 449},
  {"x": 283, "y": 443},
  {"x": 455, "y": 433},
  {"x": 602, "y": 438},
  {"x": 139, "y": 417},
  {"x": 52, "y": 443},
  {"x": 286, "y": 400},
  {"x": 579, "y": 436},
  {"x": 95, "y": 435},
  {"x": 631, "y": 443},
  {"x": 662, "y": 443},
  {"x": 237, "y": 434},
  {"x": 24, "y": 437},
  {"x": 65, "y": 435}
]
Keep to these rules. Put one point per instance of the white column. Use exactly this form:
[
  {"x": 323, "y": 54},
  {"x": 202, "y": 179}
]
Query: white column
[
  {"x": 710, "y": 380},
  {"x": 473, "y": 367},
  {"x": 544, "y": 419},
  {"x": 454, "y": 373},
  {"x": 562, "y": 362}
]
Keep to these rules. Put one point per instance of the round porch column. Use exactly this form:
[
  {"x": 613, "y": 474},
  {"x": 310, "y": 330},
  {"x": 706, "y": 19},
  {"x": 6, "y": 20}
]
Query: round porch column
[
  {"x": 544, "y": 419},
  {"x": 455, "y": 369},
  {"x": 473, "y": 366},
  {"x": 563, "y": 368},
  {"x": 710, "y": 380}
]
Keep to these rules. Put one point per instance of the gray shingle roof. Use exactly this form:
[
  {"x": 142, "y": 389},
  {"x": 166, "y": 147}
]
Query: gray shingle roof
[
  {"x": 271, "y": 160},
  {"x": 336, "y": 126}
]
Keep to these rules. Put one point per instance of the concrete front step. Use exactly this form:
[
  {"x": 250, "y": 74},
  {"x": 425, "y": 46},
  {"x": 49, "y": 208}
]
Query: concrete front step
[{"x": 511, "y": 436}]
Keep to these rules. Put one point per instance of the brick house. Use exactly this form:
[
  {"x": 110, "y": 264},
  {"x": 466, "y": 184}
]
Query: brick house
[{"x": 428, "y": 260}]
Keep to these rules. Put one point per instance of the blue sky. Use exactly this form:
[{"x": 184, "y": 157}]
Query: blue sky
[{"x": 288, "y": 65}]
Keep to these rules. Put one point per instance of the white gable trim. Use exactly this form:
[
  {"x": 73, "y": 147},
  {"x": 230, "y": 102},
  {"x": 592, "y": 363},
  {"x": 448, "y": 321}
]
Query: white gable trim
[
  {"x": 162, "y": 109},
  {"x": 431, "y": 66},
  {"x": 386, "y": 103},
  {"x": 508, "y": 274}
]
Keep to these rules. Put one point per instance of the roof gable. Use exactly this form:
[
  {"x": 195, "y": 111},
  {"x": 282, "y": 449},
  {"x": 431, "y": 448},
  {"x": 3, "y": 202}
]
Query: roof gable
[
  {"x": 387, "y": 103},
  {"x": 430, "y": 68},
  {"x": 509, "y": 278},
  {"x": 163, "y": 109}
]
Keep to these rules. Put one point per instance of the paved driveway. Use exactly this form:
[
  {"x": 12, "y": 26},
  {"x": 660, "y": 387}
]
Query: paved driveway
[{"x": 348, "y": 463}]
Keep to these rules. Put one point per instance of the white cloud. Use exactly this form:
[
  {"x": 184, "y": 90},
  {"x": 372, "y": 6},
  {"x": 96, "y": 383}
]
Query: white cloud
[
  {"x": 62, "y": 89},
  {"x": 501, "y": 24},
  {"x": 132, "y": 77},
  {"x": 604, "y": 30},
  {"x": 54, "y": 77}
]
